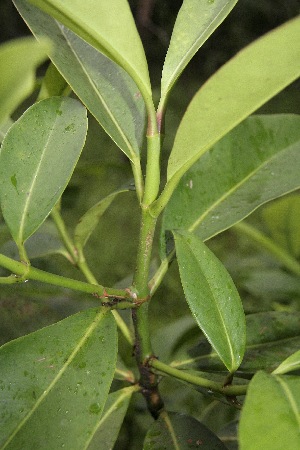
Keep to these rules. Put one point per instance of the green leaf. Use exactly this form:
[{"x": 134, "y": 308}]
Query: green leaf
[
  {"x": 241, "y": 86},
  {"x": 270, "y": 418},
  {"x": 43, "y": 243},
  {"x": 180, "y": 432},
  {"x": 283, "y": 221},
  {"x": 219, "y": 378},
  {"x": 122, "y": 372},
  {"x": 37, "y": 158},
  {"x": 88, "y": 222},
  {"x": 289, "y": 364},
  {"x": 18, "y": 61},
  {"x": 54, "y": 382},
  {"x": 273, "y": 284},
  {"x": 109, "y": 27},
  {"x": 256, "y": 162},
  {"x": 213, "y": 299},
  {"x": 4, "y": 127},
  {"x": 111, "y": 420},
  {"x": 104, "y": 87},
  {"x": 271, "y": 337},
  {"x": 195, "y": 22},
  {"x": 53, "y": 83}
]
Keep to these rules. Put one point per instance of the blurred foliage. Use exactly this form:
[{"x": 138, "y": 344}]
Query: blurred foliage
[
  {"x": 262, "y": 282},
  {"x": 103, "y": 168}
]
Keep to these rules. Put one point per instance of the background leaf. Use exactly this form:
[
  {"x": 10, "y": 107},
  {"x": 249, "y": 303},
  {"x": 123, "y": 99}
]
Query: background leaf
[
  {"x": 104, "y": 87},
  {"x": 270, "y": 417},
  {"x": 213, "y": 299},
  {"x": 58, "y": 376},
  {"x": 96, "y": 23},
  {"x": 271, "y": 337},
  {"x": 53, "y": 84},
  {"x": 288, "y": 365},
  {"x": 88, "y": 222},
  {"x": 41, "y": 149},
  {"x": 241, "y": 86},
  {"x": 195, "y": 22},
  {"x": 46, "y": 241},
  {"x": 256, "y": 162},
  {"x": 18, "y": 62},
  {"x": 111, "y": 420},
  {"x": 180, "y": 432},
  {"x": 283, "y": 221}
]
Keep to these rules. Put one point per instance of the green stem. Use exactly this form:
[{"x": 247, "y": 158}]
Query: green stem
[
  {"x": 263, "y": 241},
  {"x": 81, "y": 263},
  {"x": 229, "y": 390},
  {"x": 83, "y": 266},
  {"x": 138, "y": 178},
  {"x": 140, "y": 285},
  {"x": 158, "y": 206},
  {"x": 60, "y": 225},
  {"x": 157, "y": 278},
  {"x": 152, "y": 170},
  {"x": 143, "y": 349},
  {"x": 32, "y": 273},
  {"x": 11, "y": 279}
]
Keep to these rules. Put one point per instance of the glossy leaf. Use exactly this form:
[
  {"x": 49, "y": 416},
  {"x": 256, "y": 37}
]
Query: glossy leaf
[
  {"x": 283, "y": 221},
  {"x": 88, "y": 222},
  {"x": 271, "y": 337},
  {"x": 180, "y": 432},
  {"x": 212, "y": 298},
  {"x": 241, "y": 86},
  {"x": 37, "y": 158},
  {"x": 255, "y": 163},
  {"x": 18, "y": 61},
  {"x": 195, "y": 22},
  {"x": 59, "y": 376},
  {"x": 111, "y": 420},
  {"x": 104, "y": 87},
  {"x": 289, "y": 364},
  {"x": 270, "y": 416},
  {"x": 96, "y": 23}
]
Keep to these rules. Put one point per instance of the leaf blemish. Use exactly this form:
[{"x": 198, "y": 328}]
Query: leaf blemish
[
  {"x": 14, "y": 182},
  {"x": 70, "y": 127}
]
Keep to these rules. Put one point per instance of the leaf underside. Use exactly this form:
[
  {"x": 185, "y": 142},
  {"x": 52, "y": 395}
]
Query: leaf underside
[{"x": 104, "y": 87}]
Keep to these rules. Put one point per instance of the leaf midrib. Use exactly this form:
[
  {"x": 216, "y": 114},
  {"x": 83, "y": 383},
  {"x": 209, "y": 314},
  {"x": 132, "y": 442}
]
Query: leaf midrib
[
  {"x": 238, "y": 185},
  {"x": 34, "y": 181},
  {"x": 95, "y": 322},
  {"x": 191, "y": 51},
  {"x": 132, "y": 154},
  {"x": 290, "y": 399},
  {"x": 248, "y": 347},
  {"x": 219, "y": 313}
]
